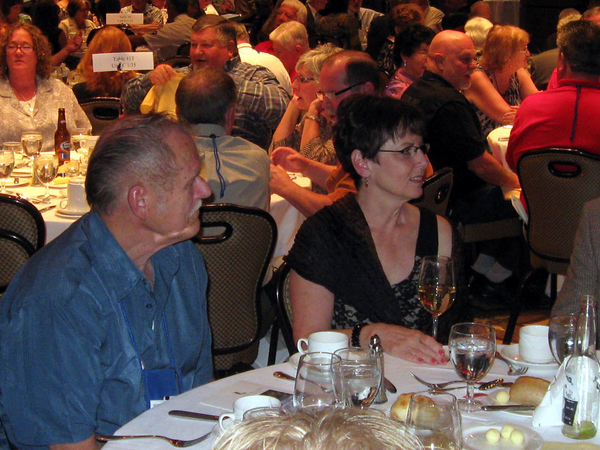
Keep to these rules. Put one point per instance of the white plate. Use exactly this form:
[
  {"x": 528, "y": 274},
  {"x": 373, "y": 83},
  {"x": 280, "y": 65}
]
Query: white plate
[
  {"x": 490, "y": 399},
  {"x": 65, "y": 213},
  {"x": 511, "y": 352},
  {"x": 294, "y": 360},
  {"x": 474, "y": 438}
]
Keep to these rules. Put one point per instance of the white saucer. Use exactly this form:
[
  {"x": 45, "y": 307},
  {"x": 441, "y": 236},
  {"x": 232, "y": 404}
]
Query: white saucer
[
  {"x": 294, "y": 360},
  {"x": 474, "y": 438},
  {"x": 511, "y": 352},
  {"x": 64, "y": 212}
]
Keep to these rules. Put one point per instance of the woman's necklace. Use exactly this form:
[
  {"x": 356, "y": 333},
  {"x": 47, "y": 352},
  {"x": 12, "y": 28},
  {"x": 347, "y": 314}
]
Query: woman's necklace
[
  {"x": 23, "y": 98},
  {"x": 497, "y": 85}
]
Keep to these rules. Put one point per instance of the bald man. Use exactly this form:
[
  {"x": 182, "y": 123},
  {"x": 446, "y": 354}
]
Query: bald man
[
  {"x": 454, "y": 132},
  {"x": 481, "y": 9}
]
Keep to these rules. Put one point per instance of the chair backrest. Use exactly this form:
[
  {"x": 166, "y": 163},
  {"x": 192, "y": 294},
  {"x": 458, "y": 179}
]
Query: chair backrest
[
  {"x": 14, "y": 252},
  {"x": 436, "y": 192},
  {"x": 184, "y": 49},
  {"x": 284, "y": 306},
  {"x": 102, "y": 111},
  {"x": 20, "y": 217},
  {"x": 237, "y": 259},
  {"x": 556, "y": 183}
]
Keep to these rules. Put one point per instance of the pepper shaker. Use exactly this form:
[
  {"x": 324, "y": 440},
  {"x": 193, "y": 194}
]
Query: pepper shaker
[{"x": 377, "y": 350}]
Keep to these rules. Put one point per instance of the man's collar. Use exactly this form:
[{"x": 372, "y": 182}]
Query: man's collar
[
  {"x": 206, "y": 129},
  {"x": 428, "y": 75},
  {"x": 230, "y": 64},
  {"x": 578, "y": 82}
]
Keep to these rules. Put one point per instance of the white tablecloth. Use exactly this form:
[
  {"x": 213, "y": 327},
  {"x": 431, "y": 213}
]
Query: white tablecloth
[
  {"x": 216, "y": 397},
  {"x": 498, "y": 142}
]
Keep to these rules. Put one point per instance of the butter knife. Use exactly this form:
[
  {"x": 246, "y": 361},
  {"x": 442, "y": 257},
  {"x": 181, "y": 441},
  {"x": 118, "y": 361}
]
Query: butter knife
[
  {"x": 193, "y": 415},
  {"x": 507, "y": 408},
  {"x": 389, "y": 386},
  {"x": 43, "y": 210}
]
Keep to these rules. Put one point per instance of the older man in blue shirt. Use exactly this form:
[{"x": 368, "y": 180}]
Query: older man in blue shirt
[{"x": 110, "y": 318}]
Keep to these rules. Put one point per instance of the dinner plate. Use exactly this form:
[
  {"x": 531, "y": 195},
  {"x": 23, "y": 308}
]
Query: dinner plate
[
  {"x": 69, "y": 214},
  {"x": 511, "y": 352},
  {"x": 474, "y": 438},
  {"x": 490, "y": 399},
  {"x": 294, "y": 360},
  {"x": 11, "y": 184}
]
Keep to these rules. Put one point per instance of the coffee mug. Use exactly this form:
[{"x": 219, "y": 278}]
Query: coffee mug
[
  {"x": 323, "y": 341},
  {"x": 533, "y": 344},
  {"x": 76, "y": 200},
  {"x": 245, "y": 404}
]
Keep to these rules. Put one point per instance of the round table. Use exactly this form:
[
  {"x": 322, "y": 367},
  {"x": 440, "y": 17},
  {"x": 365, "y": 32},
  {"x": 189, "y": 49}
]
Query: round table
[{"x": 218, "y": 396}]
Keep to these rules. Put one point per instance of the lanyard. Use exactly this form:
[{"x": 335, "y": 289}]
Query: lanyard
[{"x": 222, "y": 181}]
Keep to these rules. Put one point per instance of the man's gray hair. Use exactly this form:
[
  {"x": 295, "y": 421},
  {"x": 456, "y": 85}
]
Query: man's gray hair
[
  {"x": 579, "y": 41},
  {"x": 224, "y": 29},
  {"x": 299, "y": 7},
  {"x": 313, "y": 59},
  {"x": 290, "y": 34},
  {"x": 205, "y": 96},
  {"x": 134, "y": 150}
]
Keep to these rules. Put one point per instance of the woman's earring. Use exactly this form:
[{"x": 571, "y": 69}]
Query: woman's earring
[
  {"x": 404, "y": 62},
  {"x": 367, "y": 182}
]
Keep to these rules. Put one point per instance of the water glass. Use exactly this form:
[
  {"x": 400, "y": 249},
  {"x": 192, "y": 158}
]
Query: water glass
[
  {"x": 437, "y": 287},
  {"x": 314, "y": 381},
  {"x": 7, "y": 164},
  {"x": 561, "y": 336},
  {"x": 46, "y": 168},
  {"x": 472, "y": 352},
  {"x": 31, "y": 142},
  {"x": 435, "y": 419},
  {"x": 358, "y": 377}
]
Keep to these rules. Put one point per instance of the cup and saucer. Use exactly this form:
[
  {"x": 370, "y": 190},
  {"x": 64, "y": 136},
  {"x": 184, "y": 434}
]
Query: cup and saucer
[{"x": 75, "y": 205}]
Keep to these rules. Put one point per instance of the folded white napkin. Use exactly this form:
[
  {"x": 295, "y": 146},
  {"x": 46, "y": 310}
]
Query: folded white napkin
[{"x": 549, "y": 412}]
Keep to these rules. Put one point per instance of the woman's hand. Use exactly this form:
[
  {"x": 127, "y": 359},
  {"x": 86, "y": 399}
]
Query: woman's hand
[
  {"x": 509, "y": 117},
  {"x": 289, "y": 159},
  {"x": 315, "y": 109},
  {"x": 279, "y": 181},
  {"x": 74, "y": 43},
  {"x": 405, "y": 343}
]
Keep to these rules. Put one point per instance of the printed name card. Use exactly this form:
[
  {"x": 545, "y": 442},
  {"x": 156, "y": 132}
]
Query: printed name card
[
  {"x": 110, "y": 62},
  {"x": 124, "y": 19}
]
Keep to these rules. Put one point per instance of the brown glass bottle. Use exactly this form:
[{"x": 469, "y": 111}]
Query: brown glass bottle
[{"x": 62, "y": 139}]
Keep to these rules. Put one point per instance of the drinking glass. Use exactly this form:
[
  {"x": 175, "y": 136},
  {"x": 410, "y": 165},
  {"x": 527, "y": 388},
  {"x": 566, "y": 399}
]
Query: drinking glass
[
  {"x": 437, "y": 286},
  {"x": 472, "y": 351},
  {"x": 358, "y": 377},
  {"x": 561, "y": 336},
  {"x": 314, "y": 381},
  {"x": 435, "y": 419},
  {"x": 31, "y": 141},
  {"x": 7, "y": 164},
  {"x": 46, "y": 168},
  {"x": 77, "y": 136}
]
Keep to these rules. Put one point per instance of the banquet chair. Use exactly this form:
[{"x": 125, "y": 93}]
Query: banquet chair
[
  {"x": 278, "y": 291},
  {"x": 436, "y": 192},
  {"x": 556, "y": 183},
  {"x": 21, "y": 218},
  {"x": 15, "y": 251},
  {"x": 237, "y": 244},
  {"x": 101, "y": 111}
]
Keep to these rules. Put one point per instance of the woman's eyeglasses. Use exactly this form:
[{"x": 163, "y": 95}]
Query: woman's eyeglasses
[
  {"x": 25, "y": 48},
  {"x": 410, "y": 151}
]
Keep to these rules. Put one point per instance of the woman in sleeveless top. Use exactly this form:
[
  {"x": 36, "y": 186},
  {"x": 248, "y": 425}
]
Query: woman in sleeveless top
[{"x": 355, "y": 264}]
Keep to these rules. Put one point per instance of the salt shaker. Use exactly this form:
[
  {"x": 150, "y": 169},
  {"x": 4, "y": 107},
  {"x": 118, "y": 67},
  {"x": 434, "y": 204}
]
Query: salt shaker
[{"x": 377, "y": 350}]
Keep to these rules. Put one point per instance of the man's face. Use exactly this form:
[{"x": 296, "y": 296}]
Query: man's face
[
  {"x": 138, "y": 5},
  {"x": 174, "y": 207},
  {"x": 458, "y": 64},
  {"x": 595, "y": 18},
  {"x": 332, "y": 79},
  {"x": 289, "y": 58},
  {"x": 285, "y": 13},
  {"x": 206, "y": 50},
  {"x": 354, "y": 6}
]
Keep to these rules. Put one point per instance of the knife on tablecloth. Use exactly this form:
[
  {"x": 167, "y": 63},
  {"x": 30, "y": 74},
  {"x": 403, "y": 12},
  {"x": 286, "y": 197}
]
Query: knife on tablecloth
[{"x": 193, "y": 415}]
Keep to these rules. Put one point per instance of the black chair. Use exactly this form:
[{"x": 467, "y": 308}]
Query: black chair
[
  {"x": 278, "y": 291},
  {"x": 15, "y": 251},
  {"x": 436, "y": 192},
  {"x": 556, "y": 184},
  {"x": 184, "y": 49},
  {"x": 21, "y": 218},
  {"x": 237, "y": 258},
  {"x": 101, "y": 111}
]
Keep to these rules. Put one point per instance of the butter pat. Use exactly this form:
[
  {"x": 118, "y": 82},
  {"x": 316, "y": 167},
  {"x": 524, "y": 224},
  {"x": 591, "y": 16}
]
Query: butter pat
[
  {"x": 517, "y": 437},
  {"x": 502, "y": 397},
  {"x": 492, "y": 436}
]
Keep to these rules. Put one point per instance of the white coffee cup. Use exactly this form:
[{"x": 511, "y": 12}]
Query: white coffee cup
[
  {"x": 76, "y": 200},
  {"x": 323, "y": 341},
  {"x": 533, "y": 344},
  {"x": 244, "y": 404}
]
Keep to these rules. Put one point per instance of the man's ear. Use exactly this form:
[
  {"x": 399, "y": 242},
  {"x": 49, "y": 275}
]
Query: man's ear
[
  {"x": 232, "y": 49},
  {"x": 137, "y": 198},
  {"x": 561, "y": 65}
]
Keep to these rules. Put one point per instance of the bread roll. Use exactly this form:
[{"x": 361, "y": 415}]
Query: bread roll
[
  {"x": 399, "y": 409},
  {"x": 529, "y": 391}
]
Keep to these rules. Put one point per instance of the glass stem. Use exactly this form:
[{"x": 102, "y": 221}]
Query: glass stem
[
  {"x": 435, "y": 327},
  {"x": 3, "y": 182},
  {"x": 470, "y": 394},
  {"x": 47, "y": 192}
]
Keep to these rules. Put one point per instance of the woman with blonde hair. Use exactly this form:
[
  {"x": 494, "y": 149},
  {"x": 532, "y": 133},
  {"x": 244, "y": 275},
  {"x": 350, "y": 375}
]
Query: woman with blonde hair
[
  {"x": 501, "y": 80},
  {"x": 103, "y": 84}
]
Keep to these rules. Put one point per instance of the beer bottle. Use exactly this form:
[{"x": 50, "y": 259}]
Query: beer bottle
[{"x": 62, "y": 139}]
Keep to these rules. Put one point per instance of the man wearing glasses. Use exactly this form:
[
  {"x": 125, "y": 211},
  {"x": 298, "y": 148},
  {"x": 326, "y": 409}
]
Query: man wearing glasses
[{"x": 343, "y": 74}]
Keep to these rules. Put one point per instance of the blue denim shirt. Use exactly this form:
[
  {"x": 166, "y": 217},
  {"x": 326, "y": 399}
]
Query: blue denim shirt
[{"x": 68, "y": 367}]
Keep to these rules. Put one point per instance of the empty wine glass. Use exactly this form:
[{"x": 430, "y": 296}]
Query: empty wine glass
[
  {"x": 358, "y": 377},
  {"x": 472, "y": 351},
  {"x": 435, "y": 419},
  {"x": 314, "y": 381},
  {"x": 561, "y": 336},
  {"x": 46, "y": 168},
  {"x": 7, "y": 164},
  {"x": 437, "y": 286}
]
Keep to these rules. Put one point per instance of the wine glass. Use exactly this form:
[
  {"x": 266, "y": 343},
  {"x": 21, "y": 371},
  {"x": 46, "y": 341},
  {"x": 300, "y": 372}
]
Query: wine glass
[
  {"x": 437, "y": 286},
  {"x": 561, "y": 336},
  {"x": 314, "y": 381},
  {"x": 472, "y": 351},
  {"x": 31, "y": 141},
  {"x": 7, "y": 164},
  {"x": 46, "y": 169},
  {"x": 435, "y": 419},
  {"x": 358, "y": 377}
]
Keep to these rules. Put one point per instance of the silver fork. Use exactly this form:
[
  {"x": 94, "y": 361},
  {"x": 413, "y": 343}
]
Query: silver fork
[
  {"x": 435, "y": 386},
  {"x": 173, "y": 442},
  {"x": 512, "y": 369}
]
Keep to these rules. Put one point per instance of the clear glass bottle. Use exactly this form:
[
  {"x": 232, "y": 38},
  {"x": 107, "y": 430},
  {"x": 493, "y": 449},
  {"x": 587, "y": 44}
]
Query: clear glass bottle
[{"x": 582, "y": 389}]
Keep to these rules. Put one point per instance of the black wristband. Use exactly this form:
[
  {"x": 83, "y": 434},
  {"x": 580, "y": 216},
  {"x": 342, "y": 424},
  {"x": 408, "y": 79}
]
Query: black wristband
[{"x": 355, "y": 341}]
